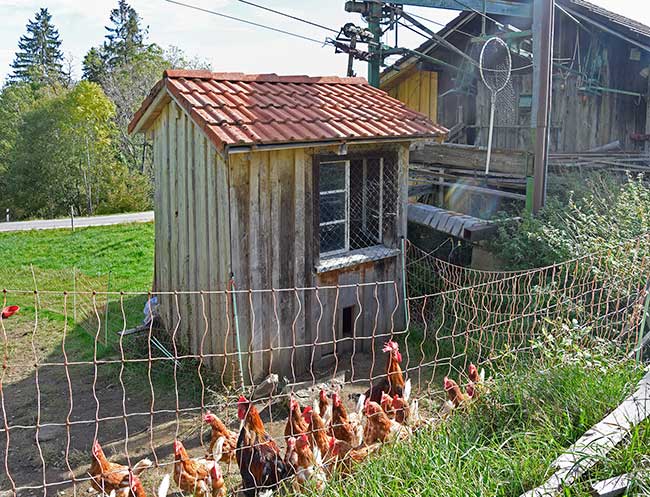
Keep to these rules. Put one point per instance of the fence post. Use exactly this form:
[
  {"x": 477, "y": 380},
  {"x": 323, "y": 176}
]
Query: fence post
[
  {"x": 407, "y": 316},
  {"x": 74, "y": 294},
  {"x": 641, "y": 335},
  {"x": 108, "y": 289},
  {"x": 72, "y": 217},
  {"x": 236, "y": 319}
]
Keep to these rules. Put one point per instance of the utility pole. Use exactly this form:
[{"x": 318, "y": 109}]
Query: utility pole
[
  {"x": 374, "y": 26},
  {"x": 543, "y": 22}
]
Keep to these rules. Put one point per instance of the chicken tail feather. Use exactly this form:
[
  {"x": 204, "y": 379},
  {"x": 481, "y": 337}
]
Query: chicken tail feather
[
  {"x": 406, "y": 393},
  {"x": 360, "y": 403},
  {"x": 163, "y": 488},
  {"x": 141, "y": 465},
  {"x": 217, "y": 453}
]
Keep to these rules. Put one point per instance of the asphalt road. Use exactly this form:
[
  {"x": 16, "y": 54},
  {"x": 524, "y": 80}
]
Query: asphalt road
[{"x": 79, "y": 222}]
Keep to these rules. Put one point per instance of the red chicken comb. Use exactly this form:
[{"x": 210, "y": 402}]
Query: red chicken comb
[
  {"x": 291, "y": 441},
  {"x": 472, "y": 367},
  {"x": 9, "y": 311},
  {"x": 208, "y": 417},
  {"x": 307, "y": 410},
  {"x": 304, "y": 439},
  {"x": 96, "y": 448},
  {"x": 322, "y": 394},
  {"x": 447, "y": 383},
  {"x": 391, "y": 346},
  {"x": 242, "y": 400}
]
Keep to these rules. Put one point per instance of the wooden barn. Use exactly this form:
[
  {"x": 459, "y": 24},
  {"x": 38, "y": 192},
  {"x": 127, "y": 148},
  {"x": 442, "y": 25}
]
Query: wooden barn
[
  {"x": 600, "y": 80},
  {"x": 599, "y": 112},
  {"x": 285, "y": 183}
]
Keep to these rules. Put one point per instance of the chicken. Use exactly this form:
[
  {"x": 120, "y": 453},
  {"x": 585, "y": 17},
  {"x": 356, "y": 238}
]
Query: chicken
[
  {"x": 379, "y": 427},
  {"x": 309, "y": 465},
  {"x": 110, "y": 477},
  {"x": 402, "y": 410},
  {"x": 345, "y": 456},
  {"x": 387, "y": 405},
  {"x": 258, "y": 456},
  {"x": 342, "y": 428},
  {"x": 455, "y": 396},
  {"x": 192, "y": 475},
  {"x": 290, "y": 455},
  {"x": 393, "y": 383},
  {"x": 323, "y": 406},
  {"x": 219, "y": 430},
  {"x": 217, "y": 483},
  {"x": 475, "y": 383},
  {"x": 296, "y": 425},
  {"x": 318, "y": 432}
]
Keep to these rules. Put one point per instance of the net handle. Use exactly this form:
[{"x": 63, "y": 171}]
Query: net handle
[{"x": 482, "y": 69}]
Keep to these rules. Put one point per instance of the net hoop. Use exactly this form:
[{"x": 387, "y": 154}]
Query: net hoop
[{"x": 483, "y": 69}]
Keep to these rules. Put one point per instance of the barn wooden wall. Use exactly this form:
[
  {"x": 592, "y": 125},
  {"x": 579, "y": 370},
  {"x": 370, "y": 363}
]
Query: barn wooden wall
[
  {"x": 419, "y": 91},
  {"x": 192, "y": 248},
  {"x": 252, "y": 215}
]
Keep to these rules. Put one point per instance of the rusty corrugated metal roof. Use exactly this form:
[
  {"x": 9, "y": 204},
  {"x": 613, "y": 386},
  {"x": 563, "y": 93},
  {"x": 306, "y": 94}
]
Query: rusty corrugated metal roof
[{"x": 239, "y": 109}]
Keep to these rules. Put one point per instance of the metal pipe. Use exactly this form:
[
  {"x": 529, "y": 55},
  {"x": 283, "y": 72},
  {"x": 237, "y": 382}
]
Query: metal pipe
[
  {"x": 543, "y": 19},
  {"x": 236, "y": 319},
  {"x": 407, "y": 315}
]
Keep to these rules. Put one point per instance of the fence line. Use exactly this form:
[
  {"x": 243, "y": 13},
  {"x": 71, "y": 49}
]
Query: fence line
[{"x": 144, "y": 385}]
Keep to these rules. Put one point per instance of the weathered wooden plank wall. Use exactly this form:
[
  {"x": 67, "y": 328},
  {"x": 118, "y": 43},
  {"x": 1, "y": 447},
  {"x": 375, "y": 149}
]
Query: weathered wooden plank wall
[
  {"x": 252, "y": 215},
  {"x": 192, "y": 242}
]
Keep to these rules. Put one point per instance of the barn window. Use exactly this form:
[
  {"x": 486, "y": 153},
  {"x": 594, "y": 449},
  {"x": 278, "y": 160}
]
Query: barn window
[{"x": 357, "y": 204}]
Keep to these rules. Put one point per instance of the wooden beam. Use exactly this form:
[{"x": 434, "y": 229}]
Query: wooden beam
[
  {"x": 596, "y": 443},
  {"x": 616, "y": 486}
]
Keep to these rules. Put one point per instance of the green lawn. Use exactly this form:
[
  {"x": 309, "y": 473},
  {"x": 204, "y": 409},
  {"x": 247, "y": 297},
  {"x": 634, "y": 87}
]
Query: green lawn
[{"x": 126, "y": 251}]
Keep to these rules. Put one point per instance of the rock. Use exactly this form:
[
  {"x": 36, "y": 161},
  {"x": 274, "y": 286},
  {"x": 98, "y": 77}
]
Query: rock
[
  {"x": 7, "y": 493},
  {"x": 47, "y": 433}
]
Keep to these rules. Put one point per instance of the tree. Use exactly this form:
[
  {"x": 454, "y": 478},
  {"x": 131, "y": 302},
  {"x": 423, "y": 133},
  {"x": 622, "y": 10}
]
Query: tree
[
  {"x": 125, "y": 38},
  {"x": 39, "y": 59},
  {"x": 65, "y": 155},
  {"x": 94, "y": 65}
]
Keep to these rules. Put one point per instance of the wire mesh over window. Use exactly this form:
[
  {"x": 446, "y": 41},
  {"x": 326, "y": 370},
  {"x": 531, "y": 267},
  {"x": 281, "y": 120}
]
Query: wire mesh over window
[{"x": 357, "y": 203}]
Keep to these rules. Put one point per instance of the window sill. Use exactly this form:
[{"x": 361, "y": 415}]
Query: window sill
[{"x": 355, "y": 257}]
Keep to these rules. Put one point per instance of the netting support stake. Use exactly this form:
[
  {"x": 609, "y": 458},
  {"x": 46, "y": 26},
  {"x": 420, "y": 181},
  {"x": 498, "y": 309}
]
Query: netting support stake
[
  {"x": 108, "y": 289},
  {"x": 236, "y": 320},
  {"x": 407, "y": 317},
  {"x": 641, "y": 335}
]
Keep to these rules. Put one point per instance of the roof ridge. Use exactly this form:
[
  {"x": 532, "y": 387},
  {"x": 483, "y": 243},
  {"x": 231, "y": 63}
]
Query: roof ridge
[{"x": 266, "y": 78}]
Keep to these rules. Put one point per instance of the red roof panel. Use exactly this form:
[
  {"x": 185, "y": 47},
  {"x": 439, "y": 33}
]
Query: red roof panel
[{"x": 238, "y": 109}]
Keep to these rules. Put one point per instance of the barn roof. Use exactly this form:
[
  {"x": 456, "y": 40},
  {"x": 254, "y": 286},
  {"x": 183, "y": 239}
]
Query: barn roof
[{"x": 238, "y": 109}]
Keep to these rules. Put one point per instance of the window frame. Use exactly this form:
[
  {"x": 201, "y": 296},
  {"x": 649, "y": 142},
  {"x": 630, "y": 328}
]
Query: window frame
[
  {"x": 346, "y": 220},
  {"x": 385, "y": 231}
]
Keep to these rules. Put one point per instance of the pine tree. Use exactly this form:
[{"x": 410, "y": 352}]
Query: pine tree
[
  {"x": 94, "y": 65},
  {"x": 39, "y": 59},
  {"x": 125, "y": 39}
]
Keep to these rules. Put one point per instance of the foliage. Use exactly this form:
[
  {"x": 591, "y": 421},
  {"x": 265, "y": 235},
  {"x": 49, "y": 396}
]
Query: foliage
[
  {"x": 606, "y": 216},
  {"x": 504, "y": 444},
  {"x": 64, "y": 155},
  {"x": 39, "y": 59}
]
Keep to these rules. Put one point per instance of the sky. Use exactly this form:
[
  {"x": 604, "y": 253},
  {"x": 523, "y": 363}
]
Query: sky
[{"x": 226, "y": 44}]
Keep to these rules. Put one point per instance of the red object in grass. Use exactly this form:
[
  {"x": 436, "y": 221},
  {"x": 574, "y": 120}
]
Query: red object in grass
[{"x": 9, "y": 311}]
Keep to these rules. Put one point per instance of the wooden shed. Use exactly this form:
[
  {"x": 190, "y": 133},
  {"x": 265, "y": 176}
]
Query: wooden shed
[{"x": 284, "y": 183}]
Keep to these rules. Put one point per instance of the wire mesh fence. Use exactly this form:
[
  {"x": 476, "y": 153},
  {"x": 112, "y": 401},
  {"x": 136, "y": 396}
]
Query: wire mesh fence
[{"x": 141, "y": 389}]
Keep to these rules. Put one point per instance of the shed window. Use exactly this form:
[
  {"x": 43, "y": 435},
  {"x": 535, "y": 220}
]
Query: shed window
[{"x": 357, "y": 204}]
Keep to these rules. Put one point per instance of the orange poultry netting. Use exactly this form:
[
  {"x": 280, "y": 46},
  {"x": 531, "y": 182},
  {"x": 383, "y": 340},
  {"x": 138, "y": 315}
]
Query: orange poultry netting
[{"x": 138, "y": 393}]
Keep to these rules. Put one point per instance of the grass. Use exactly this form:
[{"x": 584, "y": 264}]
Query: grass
[
  {"x": 126, "y": 251},
  {"x": 503, "y": 445}
]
